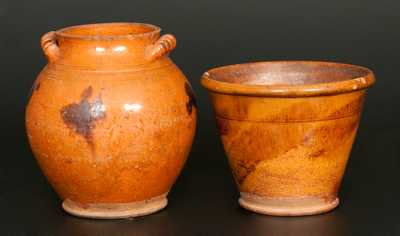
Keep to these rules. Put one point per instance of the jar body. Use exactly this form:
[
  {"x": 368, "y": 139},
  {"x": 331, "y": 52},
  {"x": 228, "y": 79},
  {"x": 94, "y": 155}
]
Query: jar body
[{"x": 111, "y": 136}]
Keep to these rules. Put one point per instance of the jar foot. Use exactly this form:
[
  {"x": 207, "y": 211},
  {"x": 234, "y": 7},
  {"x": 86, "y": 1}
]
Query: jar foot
[{"x": 116, "y": 210}]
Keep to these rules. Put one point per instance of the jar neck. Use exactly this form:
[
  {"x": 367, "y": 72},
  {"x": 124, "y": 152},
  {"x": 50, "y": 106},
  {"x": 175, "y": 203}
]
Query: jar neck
[{"x": 104, "y": 53}]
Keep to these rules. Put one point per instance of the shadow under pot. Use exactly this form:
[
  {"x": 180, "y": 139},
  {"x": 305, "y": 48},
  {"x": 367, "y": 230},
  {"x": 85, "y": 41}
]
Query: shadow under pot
[
  {"x": 287, "y": 129},
  {"x": 111, "y": 118}
]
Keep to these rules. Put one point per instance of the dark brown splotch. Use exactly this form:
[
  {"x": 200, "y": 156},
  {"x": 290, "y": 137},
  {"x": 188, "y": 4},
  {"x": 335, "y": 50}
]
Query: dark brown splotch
[
  {"x": 222, "y": 126},
  {"x": 192, "y": 100},
  {"x": 81, "y": 116},
  {"x": 244, "y": 169}
]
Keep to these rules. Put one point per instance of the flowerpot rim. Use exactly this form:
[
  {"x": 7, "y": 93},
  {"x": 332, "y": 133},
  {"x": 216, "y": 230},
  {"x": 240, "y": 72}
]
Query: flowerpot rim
[
  {"x": 107, "y": 31},
  {"x": 309, "y": 78}
]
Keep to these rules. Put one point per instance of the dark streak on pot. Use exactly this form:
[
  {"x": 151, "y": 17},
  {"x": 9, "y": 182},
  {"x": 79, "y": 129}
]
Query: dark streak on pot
[
  {"x": 317, "y": 153},
  {"x": 35, "y": 87},
  {"x": 192, "y": 100},
  {"x": 244, "y": 168},
  {"x": 222, "y": 126},
  {"x": 81, "y": 116}
]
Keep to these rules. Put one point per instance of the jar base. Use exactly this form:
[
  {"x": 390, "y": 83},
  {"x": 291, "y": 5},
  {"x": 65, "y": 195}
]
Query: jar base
[
  {"x": 287, "y": 206},
  {"x": 116, "y": 210}
]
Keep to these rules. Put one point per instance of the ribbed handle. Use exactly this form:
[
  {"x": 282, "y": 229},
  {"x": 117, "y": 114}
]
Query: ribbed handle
[
  {"x": 164, "y": 45},
  {"x": 49, "y": 46}
]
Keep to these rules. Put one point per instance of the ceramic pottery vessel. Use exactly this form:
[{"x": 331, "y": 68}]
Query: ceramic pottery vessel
[
  {"x": 287, "y": 129},
  {"x": 111, "y": 119}
]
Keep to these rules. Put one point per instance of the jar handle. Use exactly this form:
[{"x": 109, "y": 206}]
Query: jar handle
[
  {"x": 163, "y": 46},
  {"x": 50, "y": 46}
]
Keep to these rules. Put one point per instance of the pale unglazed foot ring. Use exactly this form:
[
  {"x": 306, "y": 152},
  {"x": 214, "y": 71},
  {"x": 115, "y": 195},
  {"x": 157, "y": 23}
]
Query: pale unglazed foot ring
[
  {"x": 287, "y": 206},
  {"x": 116, "y": 210}
]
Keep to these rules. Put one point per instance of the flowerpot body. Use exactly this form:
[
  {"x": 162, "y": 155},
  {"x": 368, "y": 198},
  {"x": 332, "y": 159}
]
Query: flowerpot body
[
  {"x": 111, "y": 119},
  {"x": 287, "y": 129}
]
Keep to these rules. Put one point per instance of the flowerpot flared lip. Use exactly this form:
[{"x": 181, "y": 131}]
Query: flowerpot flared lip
[
  {"x": 287, "y": 79},
  {"x": 109, "y": 31}
]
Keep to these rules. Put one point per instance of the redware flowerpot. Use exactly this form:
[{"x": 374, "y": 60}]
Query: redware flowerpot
[
  {"x": 287, "y": 129},
  {"x": 111, "y": 119}
]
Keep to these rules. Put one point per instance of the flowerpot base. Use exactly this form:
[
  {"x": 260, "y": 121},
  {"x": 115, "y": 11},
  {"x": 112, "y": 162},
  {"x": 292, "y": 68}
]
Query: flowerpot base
[
  {"x": 116, "y": 210},
  {"x": 287, "y": 206}
]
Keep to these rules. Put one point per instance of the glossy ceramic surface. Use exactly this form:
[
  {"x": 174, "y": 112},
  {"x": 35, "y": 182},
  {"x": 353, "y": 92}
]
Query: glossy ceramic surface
[
  {"x": 287, "y": 129},
  {"x": 111, "y": 119}
]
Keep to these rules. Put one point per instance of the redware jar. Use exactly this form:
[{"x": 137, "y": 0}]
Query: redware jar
[{"x": 111, "y": 118}]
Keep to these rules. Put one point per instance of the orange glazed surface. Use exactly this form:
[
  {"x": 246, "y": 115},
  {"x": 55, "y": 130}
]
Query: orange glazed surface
[
  {"x": 287, "y": 129},
  {"x": 111, "y": 118}
]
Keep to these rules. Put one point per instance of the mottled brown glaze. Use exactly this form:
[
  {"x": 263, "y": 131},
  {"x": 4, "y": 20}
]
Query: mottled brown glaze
[
  {"x": 287, "y": 129},
  {"x": 110, "y": 119},
  {"x": 191, "y": 104}
]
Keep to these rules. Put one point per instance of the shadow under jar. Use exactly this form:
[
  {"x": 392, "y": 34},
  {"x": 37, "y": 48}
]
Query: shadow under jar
[
  {"x": 111, "y": 118},
  {"x": 287, "y": 129}
]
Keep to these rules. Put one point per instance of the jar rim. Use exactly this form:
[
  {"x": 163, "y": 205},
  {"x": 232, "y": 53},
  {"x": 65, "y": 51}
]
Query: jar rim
[{"x": 109, "y": 31}]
